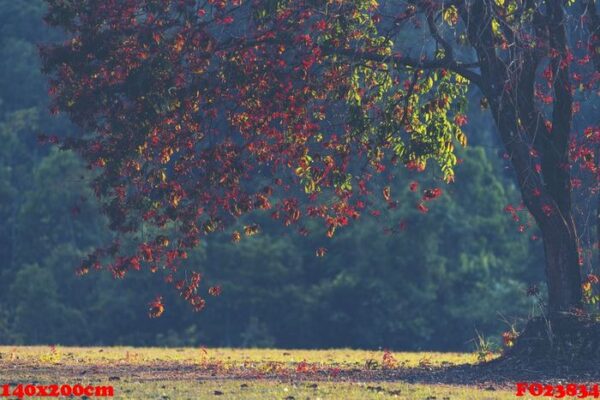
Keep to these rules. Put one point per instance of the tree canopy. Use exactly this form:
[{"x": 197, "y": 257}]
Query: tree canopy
[
  {"x": 194, "y": 114},
  {"x": 401, "y": 280}
]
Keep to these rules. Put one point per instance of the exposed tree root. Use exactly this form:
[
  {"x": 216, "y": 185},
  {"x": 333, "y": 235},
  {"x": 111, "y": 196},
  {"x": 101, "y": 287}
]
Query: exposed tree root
[{"x": 565, "y": 341}]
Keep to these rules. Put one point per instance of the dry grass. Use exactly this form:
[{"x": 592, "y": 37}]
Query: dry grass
[{"x": 194, "y": 373}]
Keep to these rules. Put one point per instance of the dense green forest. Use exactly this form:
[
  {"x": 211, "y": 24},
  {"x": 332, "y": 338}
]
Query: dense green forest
[{"x": 412, "y": 282}]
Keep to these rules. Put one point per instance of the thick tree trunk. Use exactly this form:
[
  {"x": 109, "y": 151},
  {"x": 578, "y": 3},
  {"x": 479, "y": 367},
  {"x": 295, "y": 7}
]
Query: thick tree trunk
[
  {"x": 548, "y": 200},
  {"x": 551, "y": 208},
  {"x": 563, "y": 272},
  {"x": 539, "y": 154}
]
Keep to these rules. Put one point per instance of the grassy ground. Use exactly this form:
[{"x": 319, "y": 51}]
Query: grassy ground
[{"x": 196, "y": 373}]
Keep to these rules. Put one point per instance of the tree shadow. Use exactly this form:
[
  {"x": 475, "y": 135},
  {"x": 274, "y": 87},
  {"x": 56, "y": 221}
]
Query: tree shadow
[{"x": 500, "y": 373}]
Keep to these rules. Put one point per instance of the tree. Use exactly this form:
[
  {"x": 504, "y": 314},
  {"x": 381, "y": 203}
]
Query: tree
[
  {"x": 197, "y": 114},
  {"x": 51, "y": 222}
]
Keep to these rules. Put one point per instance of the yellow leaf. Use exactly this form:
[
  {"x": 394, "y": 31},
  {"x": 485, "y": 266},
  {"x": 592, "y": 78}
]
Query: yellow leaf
[{"x": 450, "y": 15}]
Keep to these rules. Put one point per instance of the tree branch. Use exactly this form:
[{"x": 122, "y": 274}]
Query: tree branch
[{"x": 443, "y": 63}]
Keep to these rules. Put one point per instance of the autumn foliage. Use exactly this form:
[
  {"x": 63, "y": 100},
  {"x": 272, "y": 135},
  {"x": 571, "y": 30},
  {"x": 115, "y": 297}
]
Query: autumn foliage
[{"x": 194, "y": 114}]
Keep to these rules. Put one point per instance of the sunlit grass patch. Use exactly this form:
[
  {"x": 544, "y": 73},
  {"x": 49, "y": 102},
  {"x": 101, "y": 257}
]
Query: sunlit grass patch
[
  {"x": 265, "y": 389},
  {"x": 340, "y": 357},
  {"x": 200, "y": 373}
]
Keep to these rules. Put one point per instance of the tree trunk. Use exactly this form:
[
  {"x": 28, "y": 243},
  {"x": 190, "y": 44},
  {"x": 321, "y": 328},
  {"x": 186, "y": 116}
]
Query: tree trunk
[
  {"x": 563, "y": 272},
  {"x": 548, "y": 200},
  {"x": 539, "y": 154},
  {"x": 551, "y": 208}
]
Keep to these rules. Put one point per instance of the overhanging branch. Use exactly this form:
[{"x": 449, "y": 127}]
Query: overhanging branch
[{"x": 462, "y": 69}]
